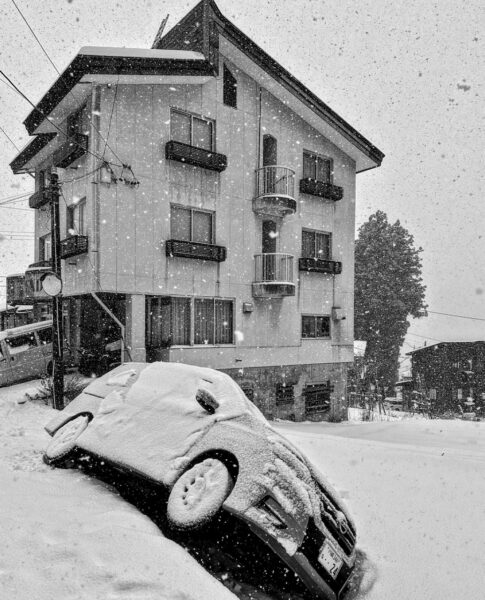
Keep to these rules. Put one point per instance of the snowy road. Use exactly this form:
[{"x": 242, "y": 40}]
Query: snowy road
[{"x": 415, "y": 489}]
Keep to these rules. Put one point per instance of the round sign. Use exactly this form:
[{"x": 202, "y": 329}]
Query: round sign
[{"x": 51, "y": 284}]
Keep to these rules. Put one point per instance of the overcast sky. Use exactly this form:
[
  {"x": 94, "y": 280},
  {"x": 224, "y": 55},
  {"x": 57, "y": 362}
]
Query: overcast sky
[{"x": 409, "y": 76}]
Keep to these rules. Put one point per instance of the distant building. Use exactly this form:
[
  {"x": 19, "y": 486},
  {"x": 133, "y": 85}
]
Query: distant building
[
  {"x": 208, "y": 199},
  {"x": 448, "y": 373},
  {"x": 18, "y": 311}
]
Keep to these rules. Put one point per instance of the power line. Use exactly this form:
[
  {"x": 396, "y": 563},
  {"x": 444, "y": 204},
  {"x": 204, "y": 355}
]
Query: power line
[
  {"x": 59, "y": 73},
  {"x": 434, "y": 312},
  {"x": 52, "y": 122},
  {"x": 37, "y": 39},
  {"x": 9, "y": 139}
]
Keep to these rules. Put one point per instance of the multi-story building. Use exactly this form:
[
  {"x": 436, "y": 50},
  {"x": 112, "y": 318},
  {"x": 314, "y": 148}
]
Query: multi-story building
[
  {"x": 208, "y": 199},
  {"x": 449, "y": 374}
]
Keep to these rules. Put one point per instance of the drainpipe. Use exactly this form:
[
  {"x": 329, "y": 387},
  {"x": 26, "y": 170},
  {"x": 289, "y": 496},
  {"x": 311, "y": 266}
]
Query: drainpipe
[
  {"x": 116, "y": 320},
  {"x": 94, "y": 241}
]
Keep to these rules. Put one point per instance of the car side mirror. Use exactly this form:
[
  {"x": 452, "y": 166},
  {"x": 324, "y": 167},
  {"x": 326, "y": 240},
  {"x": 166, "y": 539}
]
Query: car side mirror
[{"x": 207, "y": 401}]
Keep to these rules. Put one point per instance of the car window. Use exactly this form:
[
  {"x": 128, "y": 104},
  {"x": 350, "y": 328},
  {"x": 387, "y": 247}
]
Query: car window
[
  {"x": 21, "y": 343},
  {"x": 45, "y": 335}
]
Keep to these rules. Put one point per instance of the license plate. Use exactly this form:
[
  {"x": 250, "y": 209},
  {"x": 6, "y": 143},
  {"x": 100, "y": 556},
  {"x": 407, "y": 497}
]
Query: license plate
[{"x": 330, "y": 559}]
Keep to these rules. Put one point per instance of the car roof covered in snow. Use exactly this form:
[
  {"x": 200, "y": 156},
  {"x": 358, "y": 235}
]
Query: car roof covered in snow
[{"x": 12, "y": 331}]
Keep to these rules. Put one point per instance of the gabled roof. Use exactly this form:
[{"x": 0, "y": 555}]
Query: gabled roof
[
  {"x": 199, "y": 30},
  {"x": 440, "y": 345},
  {"x": 189, "y": 49}
]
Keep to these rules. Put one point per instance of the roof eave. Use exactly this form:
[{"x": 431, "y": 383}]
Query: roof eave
[
  {"x": 273, "y": 68},
  {"x": 84, "y": 64},
  {"x": 31, "y": 149}
]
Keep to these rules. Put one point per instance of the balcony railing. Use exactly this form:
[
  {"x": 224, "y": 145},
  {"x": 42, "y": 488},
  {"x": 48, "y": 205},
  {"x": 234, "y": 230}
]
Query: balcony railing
[
  {"x": 74, "y": 245},
  {"x": 195, "y": 250},
  {"x": 40, "y": 198},
  {"x": 73, "y": 148},
  {"x": 192, "y": 155},
  {"x": 320, "y": 265},
  {"x": 323, "y": 189},
  {"x": 275, "y": 191},
  {"x": 273, "y": 275}
]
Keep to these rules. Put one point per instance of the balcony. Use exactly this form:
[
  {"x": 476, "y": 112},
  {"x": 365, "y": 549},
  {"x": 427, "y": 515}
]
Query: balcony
[
  {"x": 199, "y": 157},
  {"x": 275, "y": 191},
  {"x": 40, "y": 198},
  {"x": 73, "y": 148},
  {"x": 320, "y": 265},
  {"x": 273, "y": 276},
  {"x": 323, "y": 189},
  {"x": 74, "y": 245},
  {"x": 195, "y": 250}
]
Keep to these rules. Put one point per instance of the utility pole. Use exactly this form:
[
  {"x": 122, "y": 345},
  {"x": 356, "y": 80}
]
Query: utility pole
[{"x": 57, "y": 325}]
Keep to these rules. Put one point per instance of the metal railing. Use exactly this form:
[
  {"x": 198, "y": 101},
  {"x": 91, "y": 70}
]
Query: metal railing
[
  {"x": 274, "y": 267},
  {"x": 275, "y": 181}
]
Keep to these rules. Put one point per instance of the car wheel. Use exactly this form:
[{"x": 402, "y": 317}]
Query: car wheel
[
  {"x": 198, "y": 494},
  {"x": 64, "y": 441}
]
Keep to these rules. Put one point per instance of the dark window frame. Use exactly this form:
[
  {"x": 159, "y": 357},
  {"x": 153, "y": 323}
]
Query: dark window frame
[
  {"x": 317, "y": 397},
  {"x": 188, "y": 321},
  {"x": 316, "y": 233},
  {"x": 317, "y": 159},
  {"x": 193, "y": 210},
  {"x": 229, "y": 88},
  {"x": 284, "y": 394},
  {"x": 216, "y": 338},
  {"x": 71, "y": 210},
  {"x": 42, "y": 247},
  {"x": 193, "y": 116},
  {"x": 315, "y": 329}
]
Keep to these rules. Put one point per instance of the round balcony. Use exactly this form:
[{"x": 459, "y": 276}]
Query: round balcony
[
  {"x": 273, "y": 275},
  {"x": 275, "y": 191}
]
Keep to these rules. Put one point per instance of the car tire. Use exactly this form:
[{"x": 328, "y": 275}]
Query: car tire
[
  {"x": 199, "y": 494},
  {"x": 64, "y": 440}
]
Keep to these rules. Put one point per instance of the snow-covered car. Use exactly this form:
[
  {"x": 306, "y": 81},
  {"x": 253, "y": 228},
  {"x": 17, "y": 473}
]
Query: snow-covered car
[{"x": 193, "y": 430}]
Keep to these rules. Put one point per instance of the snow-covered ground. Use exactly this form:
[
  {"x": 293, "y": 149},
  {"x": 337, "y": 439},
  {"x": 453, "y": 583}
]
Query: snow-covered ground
[{"x": 416, "y": 489}]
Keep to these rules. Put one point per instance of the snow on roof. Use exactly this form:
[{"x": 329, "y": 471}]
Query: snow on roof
[{"x": 141, "y": 53}]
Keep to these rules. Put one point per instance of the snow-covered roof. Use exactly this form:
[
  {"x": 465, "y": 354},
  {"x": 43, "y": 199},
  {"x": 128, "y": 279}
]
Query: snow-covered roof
[{"x": 141, "y": 53}]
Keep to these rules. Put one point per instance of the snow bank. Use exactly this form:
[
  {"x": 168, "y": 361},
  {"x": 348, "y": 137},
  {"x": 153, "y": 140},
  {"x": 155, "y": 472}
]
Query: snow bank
[{"x": 69, "y": 537}]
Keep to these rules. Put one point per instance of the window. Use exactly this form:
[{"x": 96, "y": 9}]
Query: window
[
  {"x": 459, "y": 394},
  {"x": 192, "y": 130},
  {"x": 42, "y": 180},
  {"x": 432, "y": 394},
  {"x": 316, "y": 244},
  {"x": 75, "y": 218},
  {"x": 317, "y": 397},
  {"x": 315, "y": 326},
  {"x": 213, "y": 321},
  {"x": 285, "y": 394},
  {"x": 45, "y": 336},
  {"x": 77, "y": 122},
  {"x": 169, "y": 321},
  {"x": 317, "y": 167},
  {"x": 192, "y": 225},
  {"x": 21, "y": 343},
  {"x": 248, "y": 389},
  {"x": 229, "y": 88},
  {"x": 45, "y": 247}
]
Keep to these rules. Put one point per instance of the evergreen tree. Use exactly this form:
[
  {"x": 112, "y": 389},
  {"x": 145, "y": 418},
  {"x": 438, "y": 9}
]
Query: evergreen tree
[{"x": 388, "y": 289}]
